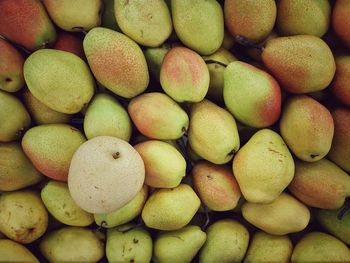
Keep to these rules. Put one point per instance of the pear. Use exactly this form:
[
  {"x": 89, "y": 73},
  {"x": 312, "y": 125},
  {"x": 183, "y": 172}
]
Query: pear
[
  {"x": 227, "y": 241},
  {"x": 154, "y": 57},
  {"x": 339, "y": 152},
  {"x": 213, "y": 132},
  {"x": 11, "y": 251},
  {"x": 14, "y": 118},
  {"x": 72, "y": 244},
  {"x": 11, "y": 68},
  {"x": 216, "y": 72},
  {"x": 320, "y": 184},
  {"x": 23, "y": 217},
  {"x": 269, "y": 248},
  {"x": 252, "y": 95},
  {"x": 340, "y": 86},
  {"x": 128, "y": 244},
  {"x": 263, "y": 167},
  {"x": 42, "y": 114},
  {"x": 157, "y": 116},
  {"x": 307, "y": 127},
  {"x": 70, "y": 42},
  {"x": 105, "y": 174},
  {"x": 320, "y": 247},
  {"x": 278, "y": 217},
  {"x": 301, "y": 64},
  {"x": 124, "y": 214},
  {"x": 228, "y": 41},
  {"x": 106, "y": 116},
  {"x": 252, "y": 20},
  {"x": 147, "y": 22},
  {"x": 199, "y": 24},
  {"x": 26, "y": 23},
  {"x": 216, "y": 186},
  {"x": 170, "y": 209},
  {"x": 127, "y": 73},
  {"x": 59, "y": 203},
  {"x": 164, "y": 164},
  {"x": 50, "y": 147},
  {"x": 341, "y": 20},
  {"x": 16, "y": 171},
  {"x": 108, "y": 17},
  {"x": 75, "y": 15},
  {"x": 67, "y": 83},
  {"x": 303, "y": 17},
  {"x": 179, "y": 246},
  {"x": 184, "y": 76}
]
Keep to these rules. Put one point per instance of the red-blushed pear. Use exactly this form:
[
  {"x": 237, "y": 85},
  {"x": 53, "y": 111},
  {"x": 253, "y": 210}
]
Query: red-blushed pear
[
  {"x": 341, "y": 82},
  {"x": 341, "y": 20},
  {"x": 69, "y": 42}
]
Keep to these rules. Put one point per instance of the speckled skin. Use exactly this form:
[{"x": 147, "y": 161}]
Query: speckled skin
[
  {"x": 11, "y": 251},
  {"x": 11, "y": 67},
  {"x": 199, "y": 24},
  {"x": 127, "y": 72},
  {"x": 341, "y": 20},
  {"x": 341, "y": 82},
  {"x": 251, "y": 19},
  {"x": 307, "y": 128},
  {"x": 321, "y": 184},
  {"x": 69, "y": 42},
  {"x": 50, "y": 147},
  {"x": 303, "y": 17},
  {"x": 301, "y": 64},
  {"x": 26, "y": 23}
]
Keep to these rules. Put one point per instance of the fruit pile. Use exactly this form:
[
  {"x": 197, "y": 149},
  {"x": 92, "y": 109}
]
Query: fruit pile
[{"x": 174, "y": 131}]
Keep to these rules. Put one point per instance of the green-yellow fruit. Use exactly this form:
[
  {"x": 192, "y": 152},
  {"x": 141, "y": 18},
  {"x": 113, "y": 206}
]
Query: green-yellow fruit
[
  {"x": 11, "y": 251},
  {"x": 263, "y": 167},
  {"x": 320, "y": 247},
  {"x": 72, "y": 244},
  {"x": 227, "y": 241},
  {"x": 199, "y": 24},
  {"x": 154, "y": 57},
  {"x": 269, "y": 248},
  {"x": 23, "y": 217},
  {"x": 60, "y": 204},
  {"x": 59, "y": 79},
  {"x": 127, "y": 244},
  {"x": 148, "y": 22},
  {"x": 170, "y": 209},
  {"x": 14, "y": 118},
  {"x": 106, "y": 116},
  {"x": 178, "y": 246},
  {"x": 213, "y": 132},
  {"x": 16, "y": 171},
  {"x": 278, "y": 217},
  {"x": 124, "y": 214}
]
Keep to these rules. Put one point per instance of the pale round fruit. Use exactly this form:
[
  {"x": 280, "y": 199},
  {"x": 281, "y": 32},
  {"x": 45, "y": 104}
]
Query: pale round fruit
[{"x": 105, "y": 173}]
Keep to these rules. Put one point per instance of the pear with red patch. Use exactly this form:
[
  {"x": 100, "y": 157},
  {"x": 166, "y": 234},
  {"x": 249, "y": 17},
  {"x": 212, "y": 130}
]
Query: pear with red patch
[
  {"x": 69, "y": 42},
  {"x": 341, "y": 81},
  {"x": 341, "y": 20}
]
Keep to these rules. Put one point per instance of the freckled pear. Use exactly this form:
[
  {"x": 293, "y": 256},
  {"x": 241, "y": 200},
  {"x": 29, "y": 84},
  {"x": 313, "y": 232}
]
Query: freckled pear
[
  {"x": 184, "y": 76},
  {"x": 263, "y": 167},
  {"x": 252, "y": 95},
  {"x": 341, "y": 20},
  {"x": 126, "y": 74}
]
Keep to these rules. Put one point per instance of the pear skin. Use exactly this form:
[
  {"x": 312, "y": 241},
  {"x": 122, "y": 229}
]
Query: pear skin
[
  {"x": 341, "y": 21},
  {"x": 11, "y": 251},
  {"x": 69, "y": 42},
  {"x": 340, "y": 85},
  {"x": 154, "y": 57}
]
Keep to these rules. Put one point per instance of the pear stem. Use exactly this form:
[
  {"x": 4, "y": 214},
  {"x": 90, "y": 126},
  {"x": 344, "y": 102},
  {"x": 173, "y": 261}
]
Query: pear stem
[{"x": 344, "y": 209}]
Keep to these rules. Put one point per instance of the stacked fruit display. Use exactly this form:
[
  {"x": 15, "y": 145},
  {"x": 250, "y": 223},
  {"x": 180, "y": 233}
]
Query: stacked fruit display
[{"x": 174, "y": 131}]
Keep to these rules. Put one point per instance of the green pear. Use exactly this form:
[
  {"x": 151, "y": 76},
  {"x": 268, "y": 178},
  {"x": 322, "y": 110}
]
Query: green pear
[
  {"x": 59, "y": 203},
  {"x": 278, "y": 217},
  {"x": 339, "y": 228},
  {"x": 108, "y": 18},
  {"x": 170, "y": 209},
  {"x": 199, "y": 24},
  {"x": 11, "y": 251},
  {"x": 67, "y": 83},
  {"x": 307, "y": 128},
  {"x": 179, "y": 246},
  {"x": 106, "y": 116},
  {"x": 127, "y": 244},
  {"x": 16, "y": 171},
  {"x": 252, "y": 95},
  {"x": 14, "y": 118},
  {"x": 124, "y": 214},
  {"x": 269, "y": 248},
  {"x": 213, "y": 132},
  {"x": 73, "y": 244},
  {"x": 23, "y": 217},
  {"x": 263, "y": 167},
  {"x": 154, "y": 57},
  {"x": 164, "y": 164},
  {"x": 227, "y": 241},
  {"x": 320, "y": 247}
]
